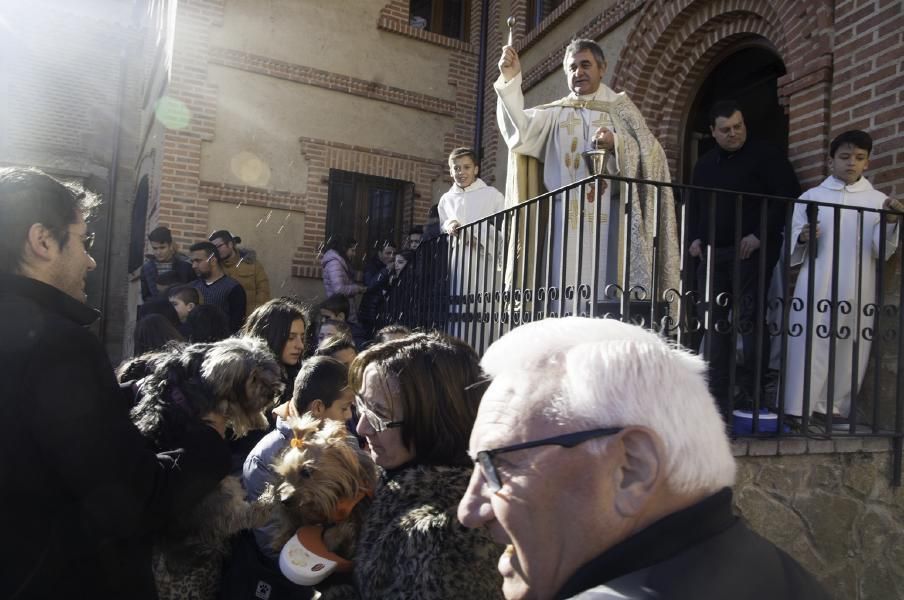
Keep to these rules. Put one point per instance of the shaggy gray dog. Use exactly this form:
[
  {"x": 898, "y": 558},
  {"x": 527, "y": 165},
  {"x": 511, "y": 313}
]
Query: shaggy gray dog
[{"x": 238, "y": 378}]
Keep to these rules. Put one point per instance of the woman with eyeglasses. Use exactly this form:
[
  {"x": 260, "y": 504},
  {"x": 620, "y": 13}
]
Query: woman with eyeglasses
[{"x": 417, "y": 398}]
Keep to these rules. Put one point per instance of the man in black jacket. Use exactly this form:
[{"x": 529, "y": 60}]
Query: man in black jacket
[
  {"x": 602, "y": 463},
  {"x": 754, "y": 169},
  {"x": 81, "y": 492}
]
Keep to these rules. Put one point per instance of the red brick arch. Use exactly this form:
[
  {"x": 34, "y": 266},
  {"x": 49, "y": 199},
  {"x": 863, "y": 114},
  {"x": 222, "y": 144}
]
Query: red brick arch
[{"x": 673, "y": 44}]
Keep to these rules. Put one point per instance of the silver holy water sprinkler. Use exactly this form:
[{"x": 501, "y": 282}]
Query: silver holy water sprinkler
[{"x": 511, "y": 25}]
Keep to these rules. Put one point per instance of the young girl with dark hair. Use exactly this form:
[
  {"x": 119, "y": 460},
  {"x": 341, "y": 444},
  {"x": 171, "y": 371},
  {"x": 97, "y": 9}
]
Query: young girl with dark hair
[{"x": 282, "y": 324}]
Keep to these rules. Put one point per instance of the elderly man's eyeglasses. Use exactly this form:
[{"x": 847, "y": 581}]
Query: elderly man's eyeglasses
[
  {"x": 378, "y": 423},
  {"x": 568, "y": 440}
]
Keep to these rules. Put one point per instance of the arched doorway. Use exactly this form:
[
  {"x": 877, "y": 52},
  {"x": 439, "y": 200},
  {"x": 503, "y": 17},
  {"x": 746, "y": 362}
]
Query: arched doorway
[{"x": 748, "y": 74}]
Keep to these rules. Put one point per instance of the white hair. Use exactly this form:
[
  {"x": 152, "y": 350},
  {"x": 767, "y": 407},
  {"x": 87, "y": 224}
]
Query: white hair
[{"x": 605, "y": 373}]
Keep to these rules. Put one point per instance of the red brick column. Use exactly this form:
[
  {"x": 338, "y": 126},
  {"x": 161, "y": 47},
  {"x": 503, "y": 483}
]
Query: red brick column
[
  {"x": 182, "y": 207},
  {"x": 868, "y": 84}
]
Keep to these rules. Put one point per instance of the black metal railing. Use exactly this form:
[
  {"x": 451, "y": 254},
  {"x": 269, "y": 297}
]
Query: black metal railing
[{"x": 562, "y": 254}]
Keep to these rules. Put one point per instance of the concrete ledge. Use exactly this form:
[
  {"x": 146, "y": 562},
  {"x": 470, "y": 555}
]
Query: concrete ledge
[
  {"x": 763, "y": 448},
  {"x": 792, "y": 446},
  {"x": 848, "y": 445},
  {"x": 820, "y": 446},
  {"x": 877, "y": 444},
  {"x": 739, "y": 447},
  {"x": 795, "y": 446}
]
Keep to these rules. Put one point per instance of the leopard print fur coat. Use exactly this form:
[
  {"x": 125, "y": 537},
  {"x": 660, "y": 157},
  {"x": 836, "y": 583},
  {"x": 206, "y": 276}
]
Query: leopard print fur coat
[{"x": 413, "y": 547}]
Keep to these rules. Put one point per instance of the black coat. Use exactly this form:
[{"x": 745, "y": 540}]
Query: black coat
[
  {"x": 79, "y": 489},
  {"x": 699, "y": 553},
  {"x": 373, "y": 302},
  {"x": 756, "y": 168}
]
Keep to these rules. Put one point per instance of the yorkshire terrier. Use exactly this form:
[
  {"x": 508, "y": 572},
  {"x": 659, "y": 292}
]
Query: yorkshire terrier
[{"x": 326, "y": 480}]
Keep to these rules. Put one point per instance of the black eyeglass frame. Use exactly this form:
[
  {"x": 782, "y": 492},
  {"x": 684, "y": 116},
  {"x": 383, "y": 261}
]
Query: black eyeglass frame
[
  {"x": 377, "y": 423},
  {"x": 567, "y": 440},
  {"x": 88, "y": 240}
]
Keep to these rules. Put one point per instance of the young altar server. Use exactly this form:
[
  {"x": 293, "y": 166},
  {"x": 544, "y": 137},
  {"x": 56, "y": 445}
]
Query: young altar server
[{"x": 858, "y": 254}]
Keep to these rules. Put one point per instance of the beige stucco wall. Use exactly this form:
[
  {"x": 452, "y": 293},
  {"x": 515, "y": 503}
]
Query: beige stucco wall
[
  {"x": 553, "y": 42},
  {"x": 272, "y": 233},
  {"x": 340, "y": 37},
  {"x": 265, "y": 117}
]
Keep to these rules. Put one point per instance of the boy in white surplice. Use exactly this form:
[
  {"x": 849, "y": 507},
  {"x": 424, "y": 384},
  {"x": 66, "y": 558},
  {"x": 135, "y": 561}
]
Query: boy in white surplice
[
  {"x": 474, "y": 248},
  {"x": 858, "y": 254}
]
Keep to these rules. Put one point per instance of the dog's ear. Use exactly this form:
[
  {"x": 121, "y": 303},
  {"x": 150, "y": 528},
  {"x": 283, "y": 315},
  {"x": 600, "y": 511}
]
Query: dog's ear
[
  {"x": 285, "y": 491},
  {"x": 253, "y": 380}
]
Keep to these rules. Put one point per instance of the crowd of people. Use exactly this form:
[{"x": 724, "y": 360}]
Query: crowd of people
[{"x": 578, "y": 458}]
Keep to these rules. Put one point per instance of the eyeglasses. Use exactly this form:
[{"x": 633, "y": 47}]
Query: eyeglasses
[
  {"x": 378, "y": 423},
  {"x": 568, "y": 440},
  {"x": 88, "y": 241}
]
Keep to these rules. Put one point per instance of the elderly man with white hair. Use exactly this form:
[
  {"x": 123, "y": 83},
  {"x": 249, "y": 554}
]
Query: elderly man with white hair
[{"x": 602, "y": 462}]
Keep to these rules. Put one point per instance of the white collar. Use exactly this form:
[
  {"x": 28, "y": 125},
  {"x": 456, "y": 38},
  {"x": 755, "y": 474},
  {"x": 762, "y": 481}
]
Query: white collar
[
  {"x": 478, "y": 183},
  {"x": 833, "y": 183},
  {"x": 603, "y": 94}
]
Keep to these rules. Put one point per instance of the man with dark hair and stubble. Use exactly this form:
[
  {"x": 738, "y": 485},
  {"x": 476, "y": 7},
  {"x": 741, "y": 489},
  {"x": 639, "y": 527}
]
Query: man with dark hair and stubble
[
  {"x": 164, "y": 258},
  {"x": 216, "y": 287},
  {"x": 243, "y": 265},
  {"x": 753, "y": 168},
  {"x": 80, "y": 489}
]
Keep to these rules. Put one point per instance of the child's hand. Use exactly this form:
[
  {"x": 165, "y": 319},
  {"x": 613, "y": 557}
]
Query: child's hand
[
  {"x": 804, "y": 236},
  {"x": 749, "y": 244},
  {"x": 891, "y": 204},
  {"x": 453, "y": 227},
  {"x": 696, "y": 248}
]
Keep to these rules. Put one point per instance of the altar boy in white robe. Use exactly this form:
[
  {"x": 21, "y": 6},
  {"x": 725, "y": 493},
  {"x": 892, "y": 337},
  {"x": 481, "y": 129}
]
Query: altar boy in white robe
[
  {"x": 858, "y": 253},
  {"x": 592, "y": 116},
  {"x": 474, "y": 249}
]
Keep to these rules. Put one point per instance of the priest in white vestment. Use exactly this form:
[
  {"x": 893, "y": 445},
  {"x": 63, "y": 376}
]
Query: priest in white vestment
[
  {"x": 591, "y": 116},
  {"x": 474, "y": 249},
  {"x": 855, "y": 271}
]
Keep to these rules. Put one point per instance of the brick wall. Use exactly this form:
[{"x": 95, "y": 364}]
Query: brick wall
[
  {"x": 182, "y": 207},
  {"x": 829, "y": 50},
  {"x": 64, "y": 95},
  {"x": 60, "y": 101},
  {"x": 183, "y": 196},
  {"x": 323, "y": 155},
  {"x": 868, "y": 83},
  {"x": 842, "y": 60}
]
